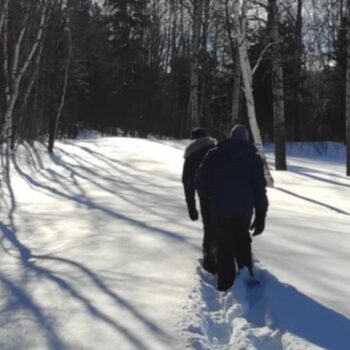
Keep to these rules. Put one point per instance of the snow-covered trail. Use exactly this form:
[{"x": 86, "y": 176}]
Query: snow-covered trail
[
  {"x": 98, "y": 253},
  {"x": 303, "y": 264}
]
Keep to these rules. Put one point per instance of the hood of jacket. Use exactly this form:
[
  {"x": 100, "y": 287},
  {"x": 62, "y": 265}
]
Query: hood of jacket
[
  {"x": 197, "y": 144},
  {"x": 237, "y": 149}
]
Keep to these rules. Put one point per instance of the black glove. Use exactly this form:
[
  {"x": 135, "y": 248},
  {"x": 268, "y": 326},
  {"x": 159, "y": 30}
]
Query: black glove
[
  {"x": 258, "y": 225},
  {"x": 193, "y": 213}
]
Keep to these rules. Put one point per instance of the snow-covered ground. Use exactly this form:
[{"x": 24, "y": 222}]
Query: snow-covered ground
[{"x": 98, "y": 253}]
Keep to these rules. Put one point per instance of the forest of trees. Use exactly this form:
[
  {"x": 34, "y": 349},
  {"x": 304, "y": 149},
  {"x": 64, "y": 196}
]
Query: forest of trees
[{"x": 161, "y": 67}]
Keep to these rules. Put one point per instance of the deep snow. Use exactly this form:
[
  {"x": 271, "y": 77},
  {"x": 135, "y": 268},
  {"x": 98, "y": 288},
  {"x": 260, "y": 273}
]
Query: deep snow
[{"x": 98, "y": 253}]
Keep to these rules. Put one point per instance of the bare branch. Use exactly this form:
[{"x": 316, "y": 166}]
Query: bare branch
[{"x": 261, "y": 56}]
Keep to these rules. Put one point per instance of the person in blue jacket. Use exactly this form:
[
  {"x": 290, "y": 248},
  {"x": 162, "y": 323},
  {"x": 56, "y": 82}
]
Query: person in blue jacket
[{"x": 232, "y": 177}]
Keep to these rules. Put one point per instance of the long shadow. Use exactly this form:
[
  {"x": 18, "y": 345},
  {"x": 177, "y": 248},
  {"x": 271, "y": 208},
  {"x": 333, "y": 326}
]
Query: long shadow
[
  {"x": 305, "y": 171},
  {"x": 24, "y": 300},
  {"x": 94, "y": 311},
  {"x": 337, "y": 210},
  {"x": 28, "y": 261},
  {"x": 137, "y": 183},
  {"x": 34, "y": 160},
  {"x": 127, "y": 185},
  {"x": 34, "y": 156},
  {"x": 9, "y": 233},
  {"x": 112, "y": 162},
  {"x": 302, "y": 171},
  {"x": 288, "y": 310},
  {"x": 72, "y": 169},
  {"x": 86, "y": 202},
  {"x": 104, "y": 288},
  {"x": 24, "y": 254}
]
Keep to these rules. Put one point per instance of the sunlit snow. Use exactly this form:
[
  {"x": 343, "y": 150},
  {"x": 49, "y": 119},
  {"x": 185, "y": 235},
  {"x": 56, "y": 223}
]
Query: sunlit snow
[{"x": 97, "y": 252}]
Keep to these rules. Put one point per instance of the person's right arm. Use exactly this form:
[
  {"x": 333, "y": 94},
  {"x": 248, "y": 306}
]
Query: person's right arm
[{"x": 261, "y": 201}]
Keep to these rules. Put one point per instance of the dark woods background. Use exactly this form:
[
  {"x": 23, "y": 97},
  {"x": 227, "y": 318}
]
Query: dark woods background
[{"x": 128, "y": 64}]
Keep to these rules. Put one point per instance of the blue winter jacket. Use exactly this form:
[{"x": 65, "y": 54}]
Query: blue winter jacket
[{"x": 232, "y": 176}]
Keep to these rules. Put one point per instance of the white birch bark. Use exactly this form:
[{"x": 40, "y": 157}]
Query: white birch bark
[
  {"x": 247, "y": 77},
  {"x": 196, "y": 30},
  {"x": 17, "y": 74}
]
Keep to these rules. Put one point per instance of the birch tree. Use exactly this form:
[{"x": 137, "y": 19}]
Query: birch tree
[
  {"x": 236, "y": 69},
  {"x": 17, "y": 62},
  {"x": 277, "y": 89},
  {"x": 197, "y": 15},
  {"x": 240, "y": 25},
  {"x": 55, "y": 122}
]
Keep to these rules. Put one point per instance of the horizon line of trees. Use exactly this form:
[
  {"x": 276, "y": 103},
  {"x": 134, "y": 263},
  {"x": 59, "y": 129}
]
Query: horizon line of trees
[{"x": 164, "y": 66}]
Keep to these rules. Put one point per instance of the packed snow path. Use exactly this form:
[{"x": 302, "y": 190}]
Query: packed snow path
[{"x": 98, "y": 253}]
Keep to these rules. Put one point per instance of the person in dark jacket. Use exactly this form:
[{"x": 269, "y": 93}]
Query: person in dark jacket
[
  {"x": 194, "y": 154},
  {"x": 232, "y": 177}
]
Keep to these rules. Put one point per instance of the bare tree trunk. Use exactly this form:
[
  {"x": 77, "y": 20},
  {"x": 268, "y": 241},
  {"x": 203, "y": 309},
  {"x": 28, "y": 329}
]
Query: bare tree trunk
[
  {"x": 297, "y": 67},
  {"x": 236, "y": 92},
  {"x": 236, "y": 72},
  {"x": 27, "y": 92},
  {"x": 5, "y": 59},
  {"x": 196, "y": 30},
  {"x": 17, "y": 75},
  {"x": 341, "y": 12},
  {"x": 240, "y": 30},
  {"x": 173, "y": 9},
  {"x": 347, "y": 98},
  {"x": 3, "y": 14},
  {"x": 205, "y": 72},
  {"x": 277, "y": 90},
  {"x": 54, "y": 130}
]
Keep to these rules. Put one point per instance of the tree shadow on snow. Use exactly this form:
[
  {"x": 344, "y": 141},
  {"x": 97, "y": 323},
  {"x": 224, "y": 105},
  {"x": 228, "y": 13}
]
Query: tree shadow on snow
[
  {"x": 20, "y": 299},
  {"x": 311, "y": 173},
  {"x": 23, "y": 299},
  {"x": 337, "y": 210},
  {"x": 32, "y": 268},
  {"x": 86, "y": 202},
  {"x": 282, "y": 307},
  {"x": 123, "y": 176}
]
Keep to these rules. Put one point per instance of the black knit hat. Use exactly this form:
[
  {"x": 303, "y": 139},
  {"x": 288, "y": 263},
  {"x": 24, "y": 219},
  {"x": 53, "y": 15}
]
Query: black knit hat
[
  {"x": 239, "y": 132},
  {"x": 198, "y": 133}
]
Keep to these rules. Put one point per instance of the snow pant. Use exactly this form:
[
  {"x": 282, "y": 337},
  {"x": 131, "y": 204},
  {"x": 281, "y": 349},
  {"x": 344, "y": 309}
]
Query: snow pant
[
  {"x": 233, "y": 247},
  {"x": 208, "y": 246}
]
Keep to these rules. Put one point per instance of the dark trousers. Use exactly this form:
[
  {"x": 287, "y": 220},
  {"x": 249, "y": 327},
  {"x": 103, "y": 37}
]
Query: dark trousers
[
  {"x": 209, "y": 246},
  {"x": 233, "y": 247}
]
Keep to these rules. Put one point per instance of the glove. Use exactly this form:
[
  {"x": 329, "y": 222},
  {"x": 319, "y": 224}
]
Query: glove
[
  {"x": 258, "y": 225},
  {"x": 193, "y": 213}
]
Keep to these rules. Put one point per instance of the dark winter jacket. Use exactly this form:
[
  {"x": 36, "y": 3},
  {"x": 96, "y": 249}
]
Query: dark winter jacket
[
  {"x": 194, "y": 154},
  {"x": 232, "y": 175}
]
